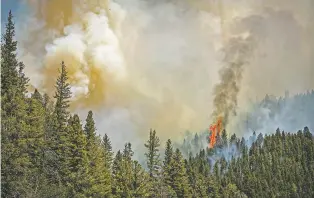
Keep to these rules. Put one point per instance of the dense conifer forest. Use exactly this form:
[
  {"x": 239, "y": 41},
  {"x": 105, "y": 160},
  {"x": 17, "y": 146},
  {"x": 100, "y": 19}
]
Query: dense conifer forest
[{"x": 46, "y": 152}]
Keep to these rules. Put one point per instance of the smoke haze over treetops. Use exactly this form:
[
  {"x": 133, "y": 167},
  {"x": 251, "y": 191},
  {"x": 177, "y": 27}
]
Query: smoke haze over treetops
[{"x": 155, "y": 64}]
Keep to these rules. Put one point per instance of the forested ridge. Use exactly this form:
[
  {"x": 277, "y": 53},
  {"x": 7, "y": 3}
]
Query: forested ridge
[{"x": 47, "y": 152}]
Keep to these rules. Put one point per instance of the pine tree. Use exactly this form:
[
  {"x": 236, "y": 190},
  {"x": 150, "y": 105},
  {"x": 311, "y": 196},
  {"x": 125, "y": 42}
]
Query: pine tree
[
  {"x": 123, "y": 174},
  {"x": 15, "y": 161},
  {"x": 9, "y": 63},
  {"x": 16, "y": 164},
  {"x": 90, "y": 129},
  {"x": 99, "y": 174},
  {"x": 224, "y": 138},
  {"x": 140, "y": 181},
  {"x": 180, "y": 183},
  {"x": 62, "y": 96},
  {"x": 231, "y": 191},
  {"x": 127, "y": 164},
  {"x": 117, "y": 175},
  {"x": 106, "y": 144},
  {"x": 36, "y": 140},
  {"x": 56, "y": 155},
  {"x": 22, "y": 79},
  {"x": 49, "y": 116},
  {"x": 153, "y": 162},
  {"x": 168, "y": 170},
  {"x": 77, "y": 161},
  {"x": 36, "y": 95},
  {"x": 152, "y": 155}
]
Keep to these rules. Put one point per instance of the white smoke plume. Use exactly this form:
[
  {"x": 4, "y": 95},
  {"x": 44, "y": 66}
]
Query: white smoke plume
[{"x": 154, "y": 64}]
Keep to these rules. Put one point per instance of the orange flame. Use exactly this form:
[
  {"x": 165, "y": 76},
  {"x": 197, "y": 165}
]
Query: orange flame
[
  {"x": 215, "y": 130},
  {"x": 213, "y": 136}
]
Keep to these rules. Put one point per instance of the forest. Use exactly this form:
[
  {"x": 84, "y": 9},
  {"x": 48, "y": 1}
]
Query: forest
[{"x": 47, "y": 152}]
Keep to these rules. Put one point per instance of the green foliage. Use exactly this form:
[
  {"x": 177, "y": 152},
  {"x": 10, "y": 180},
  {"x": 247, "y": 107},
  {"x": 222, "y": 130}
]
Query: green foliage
[
  {"x": 77, "y": 162},
  {"x": 179, "y": 176},
  {"x": 99, "y": 172},
  {"x": 59, "y": 141},
  {"x": 117, "y": 175},
  {"x": 9, "y": 63},
  {"x": 141, "y": 184},
  {"x": 90, "y": 129},
  {"x": 231, "y": 191},
  {"x": 277, "y": 166},
  {"x": 152, "y": 155},
  {"x": 108, "y": 153},
  {"x": 153, "y": 163},
  {"x": 16, "y": 136},
  {"x": 167, "y": 164},
  {"x": 62, "y": 96}
]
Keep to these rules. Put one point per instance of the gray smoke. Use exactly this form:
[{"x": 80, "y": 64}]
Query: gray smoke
[
  {"x": 172, "y": 51},
  {"x": 237, "y": 53}
]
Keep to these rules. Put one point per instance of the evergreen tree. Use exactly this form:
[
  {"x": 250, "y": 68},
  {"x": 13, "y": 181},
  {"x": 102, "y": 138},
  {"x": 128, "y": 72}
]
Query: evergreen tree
[
  {"x": 62, "y": 96},
  {"x": 37, "y": 96},
  {"x": 99, "y": 174},
  {"x": 127, "y": 170},
  {"x": 168, "y": 170},
  {"x": 107, "y": 151},
  {"x": 15, "y": 159},
  {"x": 90, "y": 129},
  {"x": 122, "y": 172},
  {"x": 117, "y": 175},
  {"x": 36, "y": 140},
  {"x": 49, "y": 116},
  {"x": 9, "y": 63},
  {"x": 140, "y": 181},
  {"x": 152, "y": 155},
  {"x": 56, "y": 155},
  {"x": 77, "y": 162},
  {"x": 16, "y": 164},
  {"x": 168, "y": 162},
  {"x": 231, "y": 191},
  {"x": 153, "y": 162},
  {"x": 180, "y": 183},
  {"x": 22, "y": 79}
]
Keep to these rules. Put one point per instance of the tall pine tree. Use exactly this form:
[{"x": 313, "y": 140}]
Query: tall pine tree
[
  {"x": 99, "y": 174},
  {"x": 107, "y": 148},
  {"x": 180, "y": 182},
  {"x": 153, "y": 162},
  {"x": 59, "y": 139},
  {"x": 152, "y": 154},
  {"x": 16, "y": 163},
  {"x": 62, "y": 96},
  {"x": 77, "y": 161},
  {"x": 9, "y": 63},
  {"x": 168, "y": 170}
]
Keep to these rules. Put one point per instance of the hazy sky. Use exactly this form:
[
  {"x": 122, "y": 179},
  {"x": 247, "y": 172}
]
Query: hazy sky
[
  {"x": 6, "y": 5},
  {"x": 121, "y": 53}
]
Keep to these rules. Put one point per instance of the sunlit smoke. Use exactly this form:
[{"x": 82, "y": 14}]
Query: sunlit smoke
[{"x": 169, "y": 65}]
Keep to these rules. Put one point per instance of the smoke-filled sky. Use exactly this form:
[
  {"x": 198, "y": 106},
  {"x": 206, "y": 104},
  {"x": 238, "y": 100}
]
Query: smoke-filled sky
[{"x": 171, "y": 65}]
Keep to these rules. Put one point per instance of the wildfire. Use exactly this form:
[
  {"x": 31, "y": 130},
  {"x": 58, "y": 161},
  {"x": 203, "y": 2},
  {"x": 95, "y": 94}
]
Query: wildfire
[{"x": 215, "y": 131}]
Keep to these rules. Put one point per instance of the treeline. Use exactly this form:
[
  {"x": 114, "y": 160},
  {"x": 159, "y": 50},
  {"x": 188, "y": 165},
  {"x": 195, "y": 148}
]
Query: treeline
[
  {"x": 264, "y": 116},
  {"x": 46, "y": 152},
  {"x": 288, "y": 112},
  {"x": 277, "y": 165}
]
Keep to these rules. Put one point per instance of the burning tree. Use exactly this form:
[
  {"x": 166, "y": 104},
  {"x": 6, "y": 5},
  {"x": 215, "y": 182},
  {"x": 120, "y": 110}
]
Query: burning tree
[{"x": 215, "y": 130}]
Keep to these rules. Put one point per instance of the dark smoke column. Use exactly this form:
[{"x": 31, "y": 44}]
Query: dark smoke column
[{"x": 238, "y": 50}]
